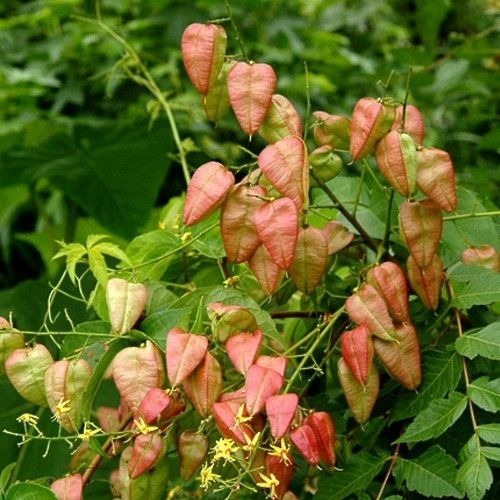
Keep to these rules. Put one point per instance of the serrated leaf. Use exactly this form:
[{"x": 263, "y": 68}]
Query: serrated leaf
[
  {"x": 484, "y": 343},
  {"x": 442, "y": 371},
  {"x": 98, "y": 266},
  {"x": 114, "y": 251},
  {"x": 73, "y": 253},
  {"x": 355, "y": 476},
  {"x": 93, "y": 239},
  {"x": 431, "y": 474},
  {"x": 491, "y": 452},
  {"x": 485, "y": 393},
  {"x": 489, "y": 433},
  {"x": 435, "y": 419},
  {"x": 29, "y": 491}
]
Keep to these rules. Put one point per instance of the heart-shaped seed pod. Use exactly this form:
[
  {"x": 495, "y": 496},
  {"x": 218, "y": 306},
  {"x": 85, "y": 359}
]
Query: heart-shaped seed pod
[
  {"x": 278, "y": 227},
  {"x": 268, "y": 274},
  {"x": 368, "y": 307},
  {"x": 436, "y": 177},
  {"x": 65, "y": 382},
  {"x": 331, "y": 130},
  {"x": 390, "y": 282},
  {"x": 68, "y": 488},
  {"x": 206, "y": 192},
  {"x": 360, "y": 397},
  {"x": 396, "y": 155},
  {"x": 204, "y": 385},
  {"x": 238, "y": 230},
  {"x": 276, "y": 363},
  {"x": 282, "y": 120},
  {"x": 427, "y": 281},
  {"x": 310, "y": 259},
  {"x": 357, "y": 350},
  {"x": 203, "y": 47},
  {"x": 421, "y": 225},
  {"x": 402, "y": 358},
  {"x": 282, "y": 470},
  {"x": 26, "y": 368},
  {"x": 146, "y": 451},
  {"x": 216, "y": 102},
  {"x": 193, "y": 448},
  {"x": 371, "y": 120},
  {"x": 285, "y": 164},
  {"x": 184, "y": 352},
  {"x": 235, "y": 396},
  {"x": 154, "y": 405},
  {"x": 260, "y": 384},
  {"x": 413, "y": 123},
  {"x": 225, "y": 413},
  {"x": 304, "y": 439},
  {"x": 325, "y": 164},
  {"x": 483, "y": 255},
  {"x": 251, "y": 88},
  {"x": 108, "y": 418},
  {"x": 137, "y": 370},
  {"x": 280, "y": 410},
  {"x": 337, "y": 236},
  {"x": 126, "y": 302},
  {"x": 229, "y": 319},
  {"x": 242, "y": 349},
  {"x": 10, "y": 340},
  {"x": 322, "y": 425}
]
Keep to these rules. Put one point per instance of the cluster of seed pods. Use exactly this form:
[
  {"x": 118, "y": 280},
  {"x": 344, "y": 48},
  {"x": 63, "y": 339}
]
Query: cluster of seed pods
[{"x": 261, "y": 215}]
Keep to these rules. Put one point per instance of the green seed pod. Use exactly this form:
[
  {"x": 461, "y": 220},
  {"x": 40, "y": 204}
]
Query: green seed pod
[
  {"x": 10, "y": 340},
  {"x": 216, "y": 102},
  {"x": 228, "y": 320},
  {"x": 331, "y": 130},
  {"x": 193, "y": 448},
  {"x": 325, "y": 164},
  {"x": 281, "y": 120}
]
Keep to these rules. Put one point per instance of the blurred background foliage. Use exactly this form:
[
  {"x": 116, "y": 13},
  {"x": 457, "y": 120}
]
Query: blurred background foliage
[{"x": 85, "y": 150}]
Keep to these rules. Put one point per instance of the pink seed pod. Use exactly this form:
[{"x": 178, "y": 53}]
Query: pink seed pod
[
  {"x": 322, "y": 425},
  {"x": 283, "y": 472},
  {"x": 427, "y": 281},
  {"x": 357, "y": 351},
  {"x": 436, "y": 177},
  {"x": 421, "y": 226},
  {"x": 337, "y": 235},
  {"x": 242, "y": 349},
  {"x": 193, "y": 449},
  {"x": 483, "y": 255},
  {"x": 251, "y": 88},
  {"x": 276, "y": 363},
  {"x": 203, "y": 47},
  {"x": 282, "y": 120},
  {"x": 371, "y": 120},
  {"x": 225, "y": 417},
  {"x": 331, "y": 130},
  {"x": 304, "y": 439},
  {"x": 206, "y": 192},
  {"x": 260, "y": 384},
  {"x": 280, "y": 410},
  {"x": 147, "y": 450},
  {"x": 68, "y": 488},
  {"x": 414, "y": 123},
  {"x": 268, "y": 274}
]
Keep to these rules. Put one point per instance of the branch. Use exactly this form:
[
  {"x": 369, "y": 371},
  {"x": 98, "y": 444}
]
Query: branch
[
  {"x": 296, "y": 314},
  {"x": 389, "y": 471},
  {"x": 494, "y": 213}
]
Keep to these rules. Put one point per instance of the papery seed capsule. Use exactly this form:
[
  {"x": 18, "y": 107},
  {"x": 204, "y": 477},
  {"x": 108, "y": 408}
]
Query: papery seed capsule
[
  {"x": 357, "y": 351},
  {"x": 436, "y": 177},
  {"x": 68, "y": 488},
  {"x": 280, "y": 410},
  {"x": 242, "y": 349},
  {"x": 483, "y": 255},
  {"x": 147, "y": 450},
  {"x": 331, "y": 130},
  {"x": 9, "y": 342},
  {"x": 421, "y": 225},
  {"x": 216, "y": 102},
  {"x": 225, "y": 417},
  {"x": 427, "y": 281},
  {"x": 322, "y": 425},
  {"x": 276, "y": 363},
  {"x": 230, "y": 319},
  {"x": 337, "y": 235},
  {"x": 282, "y": 471},
  {"x": 282, "y": 120},
  {"x": 325, "y": 164},
  {"x": 305, "y": 440},
  {"x": 268, "y": 274},
  {"x": 371, "y": 120},
  {"x": 413, "y": 122},
  {"x": 193, "y": 448},
  {"x": 260, "y": 384}
]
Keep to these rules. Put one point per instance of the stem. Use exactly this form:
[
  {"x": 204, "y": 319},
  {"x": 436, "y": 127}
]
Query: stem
[
  {"x": 358, "y": 194},
  {"x": 296, "y": 314},
  {"x": 405, "y": 102},
  {"x": 389, "y": 471},
  {"x": 343, "y": 210},
  {"x": 494, "y": 213},
  {"x": 236, "y": 31},
  {"x": 308, "y": 101},
  {"x": 387, "y": 234}
]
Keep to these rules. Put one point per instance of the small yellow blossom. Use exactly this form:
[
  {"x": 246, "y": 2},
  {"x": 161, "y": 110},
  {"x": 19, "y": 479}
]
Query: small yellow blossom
[
  {"x": 231, "y": 281},
  {"x": 251, "y": 443},
  {"x": 208, "y": 476},
  {"x": 143, "y": 427},
  {"x": 28, "y": 418},
  {"x": 282, "y": 451},
  {"x": 62, "y": 407},
  {"x": 224, "y": 449},
  {"x": 240, "y": 418},
  {"x": 185, "y": 237},
  {"x": 270, "y": 482},
  {"x": 89, "y": 430}
]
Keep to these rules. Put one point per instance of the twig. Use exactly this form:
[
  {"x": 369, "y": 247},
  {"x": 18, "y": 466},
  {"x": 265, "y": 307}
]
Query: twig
[
  {"x": 389, "y": 471},
  {"x": 387, "y": 233},
  {"x": 308, "y": 100},
  {"x": 494, "y": 213},
  {"x": 296, "y": 314},
  {"x": 237, "y": 35}
]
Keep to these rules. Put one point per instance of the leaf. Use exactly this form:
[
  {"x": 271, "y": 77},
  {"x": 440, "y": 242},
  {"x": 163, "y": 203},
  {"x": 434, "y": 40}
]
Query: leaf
[
  {"x": 491, "y": 452},
  {"x": 441, "y": 374},
  {"x": 114, "y": 251},
  {"x": 356, "y": 475},
  {"x": 435, "y": 419},
  {"x": 485, "y": 393},
  {"x": 485, "y": 343},
  {"x": 98, "y": 266},
  {"x": 489, "y": 432},
  {"x": 29, "y": 491},
  {"x": 431, "y": 474},
  {"x": 73, "y": 253},
  {"x": 155, "y": 325}
]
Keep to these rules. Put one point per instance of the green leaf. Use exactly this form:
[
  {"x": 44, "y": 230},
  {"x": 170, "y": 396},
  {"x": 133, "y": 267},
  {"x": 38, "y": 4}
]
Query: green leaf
[
  {"x": 441, "y": 373},
  {"x": 484, "y": 343},
  {"x": 485, "y": 393},
  {"x": 5, "y": 476},
  {"x": 489, "y": 433},
  {"x": 491, "y": 452},
  {"x": 474, "y": 285},
  {"x": 29, "y": 491},
  {"x": 435, "y": 419},
  {"x": 156, "y": 325},
  {"x": 98, "y": 266},
  {"x": 429, "y": 17},
  {"x": 113, "y": 250},
  {"x": 355, "y": 476},
  {"x": 73, "y": 253},
  {"x": 431, "y": 474},
  {"x": 474, "y": 474}
]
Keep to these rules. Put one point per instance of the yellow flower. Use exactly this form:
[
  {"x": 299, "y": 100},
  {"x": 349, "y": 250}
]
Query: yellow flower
[
  {"x": 185, "y": 237},
  {"x": 239, "y": 418},
  {"x": 231, "y": 281},
  {"x": 224, "y": 449},
  {"x": 269, "y": 482},
  {"x": 251, "y": 443},
  {"x": 143, "y": 427},
  {"x": 28, "y": 418},
  {"x": 89, "y": 432},
  {"x": 282, "y": 451},
  {"x": 62, "y": 407},
  {"x": 208, "y": 476}
]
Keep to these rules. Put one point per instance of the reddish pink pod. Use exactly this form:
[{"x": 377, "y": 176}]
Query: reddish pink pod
[
  {"x": 268, "y": 274},
  {"x": 203, "y": 47},
  {"x": 251, "y": 88},
  {"x": 276, "y": 363},
  {"x": 225, "y": 417},
  {"x": 154, "y": 405},
  {"x": 278, "y": 227},
  {"x": 283, "y": 472},
  {"x": 184, "y": 352},
  {"x": 357, "y": 350},
  {"x": 483, "y": 255},
  {"x": 331, "y": 130},
  {"x": 304, "y": 438},
  {"x": 68, "y": 488},
  {"x": 242, "y": 349},
  {"x": 414, "y": 123},
  {"x": 235, "y": 396},
  {"x": 108, "y": 418},
  {"x": 206, "y": 192},
  {"x": 285, "y": 164},
  {"x": 260, "y": 384},
  {"x": 337, "y": 236},
  {"x": 427, "y": 281},
  {"x": 280, "y": 410},
  {"x": 146, "y": 452},
  {"x": 322, "y": 425}
]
